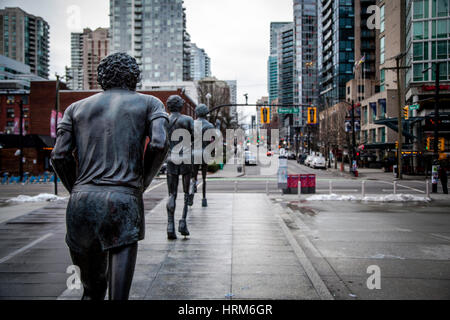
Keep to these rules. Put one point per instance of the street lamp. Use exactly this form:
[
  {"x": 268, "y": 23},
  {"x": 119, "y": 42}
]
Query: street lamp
[{"x": 208, "y": 97}]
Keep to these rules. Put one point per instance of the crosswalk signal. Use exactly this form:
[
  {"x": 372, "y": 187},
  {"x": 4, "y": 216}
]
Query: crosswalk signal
[
  {"x": 406, "y": 112},
  {"x": 312, "y": 115},
  {"x": 396, "y": 145},
  {"x": 265, "y": 115}
]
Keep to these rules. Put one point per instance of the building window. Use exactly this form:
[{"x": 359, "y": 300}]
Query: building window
[
  {"x": 382, "y": 19},
  {"x": 420, "y": 9},
  {"x": 10, "y": 113},
  {"x": 439, "y": 29},
  {"x": 383, "y": 135},
  {"x": 382, "y": 50},
  {"x": 420, "y": 51},
  {"x": 440, "y": 8},
  {"x": 420, "y": 30},
  {"x": 382, "y": 80},
  {"x": 418, "y": 74}
]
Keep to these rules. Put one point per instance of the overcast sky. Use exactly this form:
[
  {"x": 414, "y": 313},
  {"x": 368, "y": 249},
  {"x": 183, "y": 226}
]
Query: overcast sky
[{"x": 234, "y": 33}]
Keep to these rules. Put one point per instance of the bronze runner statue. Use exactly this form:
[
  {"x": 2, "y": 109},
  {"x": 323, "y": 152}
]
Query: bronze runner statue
[{"x": 99, "y": 157}]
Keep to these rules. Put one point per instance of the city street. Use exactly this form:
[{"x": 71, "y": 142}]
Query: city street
[{"x": 249, "y": 245}]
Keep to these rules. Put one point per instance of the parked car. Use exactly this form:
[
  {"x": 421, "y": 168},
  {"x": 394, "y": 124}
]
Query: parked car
[
  {"x": 291, "y": 155},
  {"x": 269, "y": 153},
  {"x": 301, "y": 158},
  {"x": 308, "y": 160},
  {"x": 250, "y": 159},
  {"x": 163, "y": 169},
  {"x": 318, "y": 162}
]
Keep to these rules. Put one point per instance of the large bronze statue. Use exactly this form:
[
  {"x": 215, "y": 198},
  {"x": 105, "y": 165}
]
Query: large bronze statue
[
  {"x": 99, "y": 156},
  {"x": 201, "y": 126},
  {"x": 179, "y": 163}
]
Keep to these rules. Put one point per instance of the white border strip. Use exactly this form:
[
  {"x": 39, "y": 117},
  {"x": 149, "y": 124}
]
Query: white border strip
[{"x": 28, "y": 246}]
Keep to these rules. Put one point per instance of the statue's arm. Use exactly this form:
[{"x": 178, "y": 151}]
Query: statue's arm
[
  {"x": 63, "y": 160},
  {"x": 157, "y": 150}
]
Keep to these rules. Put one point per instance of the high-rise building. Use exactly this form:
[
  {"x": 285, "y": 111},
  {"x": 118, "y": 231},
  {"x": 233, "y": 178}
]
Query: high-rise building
[
  {"x": 88, "y": 49},
  {"x": 427, "y": 42},
  {"x": 286, "y": 73},
  {"x": 154, "y": 32},
  {"x": 74, "y": 73},
  {"x": 233, "y": 98},
  {"x": 95, "y": 48},
  {"x": 306, "y": 91},
  {"x": 200, "y": 65},
  {"x": 25, "y": 38},
  {"x": 336, "y": 48},
  {"x": 272, "y": 64}
]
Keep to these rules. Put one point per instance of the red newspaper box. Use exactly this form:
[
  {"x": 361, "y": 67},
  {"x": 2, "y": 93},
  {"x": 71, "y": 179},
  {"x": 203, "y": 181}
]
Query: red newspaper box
[
  {"x": 293, "y": 183},
  {"x": 311, "y": 183},
  {"x": 304, "y": 183}
]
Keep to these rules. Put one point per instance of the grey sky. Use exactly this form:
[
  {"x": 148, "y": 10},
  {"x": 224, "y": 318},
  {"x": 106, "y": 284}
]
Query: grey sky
[{"x": 234, "y": 33}]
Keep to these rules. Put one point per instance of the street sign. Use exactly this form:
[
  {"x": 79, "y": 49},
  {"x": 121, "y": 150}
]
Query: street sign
[
  {"x": 282, "y": 110},
  {"x": 414, "y": 107}
]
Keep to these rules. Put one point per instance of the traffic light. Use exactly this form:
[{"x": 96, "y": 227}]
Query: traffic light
[
  {"x": 441, "y": 144},
  {"x": 396, "y": 145},
  {"x": 312, "y": 115},
  {"x": 428, "y": 147},
  {"x": 406, "y": 112},
  {"x": 265, "y": 115}
]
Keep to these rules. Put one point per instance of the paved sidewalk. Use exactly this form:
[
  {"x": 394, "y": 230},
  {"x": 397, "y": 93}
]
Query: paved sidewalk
[
  {"x": 238, "y": 249},
  {"x": 373, "y": 174}
]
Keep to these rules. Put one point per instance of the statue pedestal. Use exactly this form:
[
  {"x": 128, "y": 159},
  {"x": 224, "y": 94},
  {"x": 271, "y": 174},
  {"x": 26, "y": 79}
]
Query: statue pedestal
[{"x": 204, "y": 203}]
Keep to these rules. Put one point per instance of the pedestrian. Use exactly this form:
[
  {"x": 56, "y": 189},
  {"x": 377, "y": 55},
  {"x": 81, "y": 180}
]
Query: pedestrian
[{"x": 443, "y": 177}]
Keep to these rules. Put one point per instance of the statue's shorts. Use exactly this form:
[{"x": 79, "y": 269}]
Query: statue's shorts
[
  {"x": 101, "y": 218},
  {"x": 179, "y": 169}
]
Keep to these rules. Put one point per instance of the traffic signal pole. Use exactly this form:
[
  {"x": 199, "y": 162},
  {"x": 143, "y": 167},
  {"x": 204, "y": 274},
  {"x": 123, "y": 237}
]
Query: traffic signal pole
[{"x": 436, "y": 123}]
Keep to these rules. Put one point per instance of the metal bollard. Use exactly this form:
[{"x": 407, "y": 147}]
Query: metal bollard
[
  {"x": 235, "y": 186},
  {"x": 427, "y": 188},
  {"x": 330, "y": 186},
  {"x": 267, "y": 187},
  {"x": 363, "y": 191},
  {"x": 395, "y": 187},
  {"x": 299, "y": 189}
]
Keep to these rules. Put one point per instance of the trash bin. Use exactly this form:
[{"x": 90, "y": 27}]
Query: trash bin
[
  {"x": 304, "y": 183},
  {"x": 311, "y": 183}
]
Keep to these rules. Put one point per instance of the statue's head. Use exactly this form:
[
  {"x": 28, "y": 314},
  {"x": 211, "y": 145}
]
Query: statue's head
[
  {"x": 175, "y": 103},
  {"x": 201, "y": 111},
  {"x": 118, "y": 70}
]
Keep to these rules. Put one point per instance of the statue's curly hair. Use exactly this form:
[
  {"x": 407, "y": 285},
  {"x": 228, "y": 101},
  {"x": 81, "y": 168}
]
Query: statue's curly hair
[
  {"x": 201, "y": 110},
  {"x": 118, "y": 70},
  {"x": 175, "y": 103}
]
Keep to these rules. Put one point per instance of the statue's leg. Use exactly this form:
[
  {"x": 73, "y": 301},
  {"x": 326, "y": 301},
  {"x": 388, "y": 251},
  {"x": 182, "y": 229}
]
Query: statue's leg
[
  {"x": 172, "y": 184},
  {"x": 193, "y": 184},
  {"x": 182, "y": 228},
  {"x": 204, "y": 173},
  {"x": 121, "y": 270},
  {"x": 93, "y": 269}
]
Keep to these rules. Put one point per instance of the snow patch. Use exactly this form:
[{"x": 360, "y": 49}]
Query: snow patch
[
  {"x": 386, "y": 256},
  {"x": 39, "y": 198},
  {"x": 384, "y": 198}
]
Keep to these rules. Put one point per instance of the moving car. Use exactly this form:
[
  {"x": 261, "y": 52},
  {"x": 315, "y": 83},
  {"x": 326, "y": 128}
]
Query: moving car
[
  {"x": 318, "y": 162},
  {"x": 250, "y": 159}
]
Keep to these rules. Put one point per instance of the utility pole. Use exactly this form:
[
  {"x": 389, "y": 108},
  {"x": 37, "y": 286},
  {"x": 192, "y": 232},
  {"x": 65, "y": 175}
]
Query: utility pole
[
  {"x": 21, "y": 139},
  {"x": 397, "y": 68},
  {"x": 353, "y": 135},
  {"x": 436, "y": 122}
]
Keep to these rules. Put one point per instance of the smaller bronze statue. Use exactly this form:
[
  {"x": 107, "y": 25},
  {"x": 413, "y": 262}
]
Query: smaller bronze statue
[
  {"x": 99, "y": 157},
  {"x": 201, "y": 125},
  {"x": 178, "y": 163}
]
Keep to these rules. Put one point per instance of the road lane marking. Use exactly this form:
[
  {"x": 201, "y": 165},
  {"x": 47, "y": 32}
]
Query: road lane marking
[
  {"x": 155, "y": 187},
  {"x": 28, "y": 246},
  {"x": 403, "y": 186}
]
